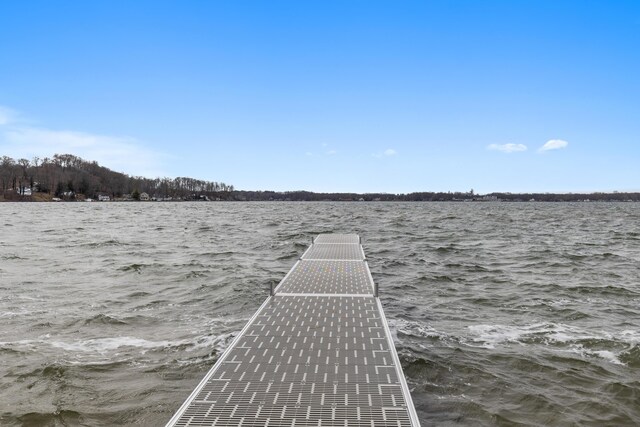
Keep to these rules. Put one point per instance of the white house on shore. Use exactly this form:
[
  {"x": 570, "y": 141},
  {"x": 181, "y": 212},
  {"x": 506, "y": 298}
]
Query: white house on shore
[{"x": 144, "y": 197}]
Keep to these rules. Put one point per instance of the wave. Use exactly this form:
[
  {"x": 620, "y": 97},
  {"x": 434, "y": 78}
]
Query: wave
[
  {"x": 612, "y": 347},
  {"x": 20, "y": 346},
  {"x": 63, "y": 417},
  {"x": 138, "y": 294},
  {"x": 408, "y": 328},
  {"x": 195, "y": 274},
  {"x": 154, "y": 298},
  {"x": 101, "y": 345},
  {"x": 104, "y": 243},
  {"x": 103, "y": 319},
  {"x": 133, "y": 267},
  {"x": 631, "y": 357},
  {"x": 217, "y": 343},
  {"x": 12, "y": 257}
]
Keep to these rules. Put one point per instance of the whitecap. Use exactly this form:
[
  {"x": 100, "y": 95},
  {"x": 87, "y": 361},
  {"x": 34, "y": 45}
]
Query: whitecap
[
  {"x": 629, "y": 336},
  {"x": 217, "y": 342},
  {"x": 415, "y": 329},
  {"x": 491, "y": 335},
  {"x": 607, "y": 355}
]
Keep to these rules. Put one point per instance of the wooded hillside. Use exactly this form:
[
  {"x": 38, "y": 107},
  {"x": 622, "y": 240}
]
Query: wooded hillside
[{"x": 69, "y": 176}]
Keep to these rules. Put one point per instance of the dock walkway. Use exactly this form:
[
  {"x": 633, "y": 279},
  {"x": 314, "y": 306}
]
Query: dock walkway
[{"x": 318, "y": 352}]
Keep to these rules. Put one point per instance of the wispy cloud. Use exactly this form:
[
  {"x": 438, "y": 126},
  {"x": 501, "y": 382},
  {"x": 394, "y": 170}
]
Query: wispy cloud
[
  {"x": 553, "y": 144},
  {"x": 507, "y": 148},
  {"x": 7, "y": 115},
  {"x": 386, "y": 153},
  {"x": 121, "y": 153},
  {"x": 325, "y": 150}
]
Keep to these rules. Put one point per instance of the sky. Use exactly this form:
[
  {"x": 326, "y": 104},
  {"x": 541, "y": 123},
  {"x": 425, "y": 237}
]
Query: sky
[{"x": 334, "y": 96}]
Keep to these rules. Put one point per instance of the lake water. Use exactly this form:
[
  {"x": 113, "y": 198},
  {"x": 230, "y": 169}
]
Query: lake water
[{"x": 502, "y": 314}]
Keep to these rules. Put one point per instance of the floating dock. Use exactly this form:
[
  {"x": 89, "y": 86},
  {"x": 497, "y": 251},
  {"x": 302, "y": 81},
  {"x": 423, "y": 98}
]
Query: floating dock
[{"x": 318, "y": 352}]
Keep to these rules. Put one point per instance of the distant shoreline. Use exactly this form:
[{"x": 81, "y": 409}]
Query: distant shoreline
[
  {"x": 306, "y": 196},
  {"x": 69, "y": 178}
]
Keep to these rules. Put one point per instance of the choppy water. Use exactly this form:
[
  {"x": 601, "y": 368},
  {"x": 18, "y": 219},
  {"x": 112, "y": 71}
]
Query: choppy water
[{"x": 503, "y": 314}]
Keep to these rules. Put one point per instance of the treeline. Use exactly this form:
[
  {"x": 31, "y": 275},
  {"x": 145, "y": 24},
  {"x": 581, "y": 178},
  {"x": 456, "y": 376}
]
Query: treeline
[
  {"x": 309, "y": 196},
  {"x": 569, "y": 197},
  {"x": 432, "y": 196},
  {"x": 69, "y": 176}
]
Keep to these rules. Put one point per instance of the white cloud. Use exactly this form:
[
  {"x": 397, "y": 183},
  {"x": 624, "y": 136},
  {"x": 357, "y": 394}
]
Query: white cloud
[
  {"x": 20, "y": 139},
  {"x": 507, "y": 148},
  {"x": 123, "y": 154},
  {"x": 388, "y": 153},
  {"x": 331, "y": 152},
  {"x": 553, "y": 144}
]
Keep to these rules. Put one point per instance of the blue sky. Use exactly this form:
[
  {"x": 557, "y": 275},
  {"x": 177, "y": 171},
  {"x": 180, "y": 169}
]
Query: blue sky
[{"x": 365, "y": 96}]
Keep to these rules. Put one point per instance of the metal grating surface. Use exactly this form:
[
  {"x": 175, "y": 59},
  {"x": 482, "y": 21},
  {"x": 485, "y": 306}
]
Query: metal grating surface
[
  {"x": 315, "y": 354},
  {"x": 310, "y": 359},
  {"x": 328, "y": 277},
  {"x": 335, "y": 252},
  {"x": 337, "y": 238}
]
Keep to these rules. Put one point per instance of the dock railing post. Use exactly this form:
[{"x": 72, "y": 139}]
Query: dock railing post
[
  {"x": 375, "y": 289},
  {"x": 271, "y": 288}
]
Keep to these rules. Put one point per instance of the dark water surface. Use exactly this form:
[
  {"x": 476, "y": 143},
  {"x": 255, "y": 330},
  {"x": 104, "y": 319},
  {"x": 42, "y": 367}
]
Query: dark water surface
[{"x": 503, "y": 314}]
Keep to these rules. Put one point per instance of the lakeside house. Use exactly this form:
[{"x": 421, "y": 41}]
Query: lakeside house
[
  {"x": 103, "y": 198},
  {"x": 144, "y": 197}
]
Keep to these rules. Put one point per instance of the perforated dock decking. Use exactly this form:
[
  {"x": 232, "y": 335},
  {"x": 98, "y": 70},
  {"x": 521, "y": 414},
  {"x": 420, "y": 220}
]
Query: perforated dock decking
[{"x": 316, "y": 353}]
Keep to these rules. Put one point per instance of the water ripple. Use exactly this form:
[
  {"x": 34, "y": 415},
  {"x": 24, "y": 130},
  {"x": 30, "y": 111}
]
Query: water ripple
[{"x": 503, "y": 314}]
